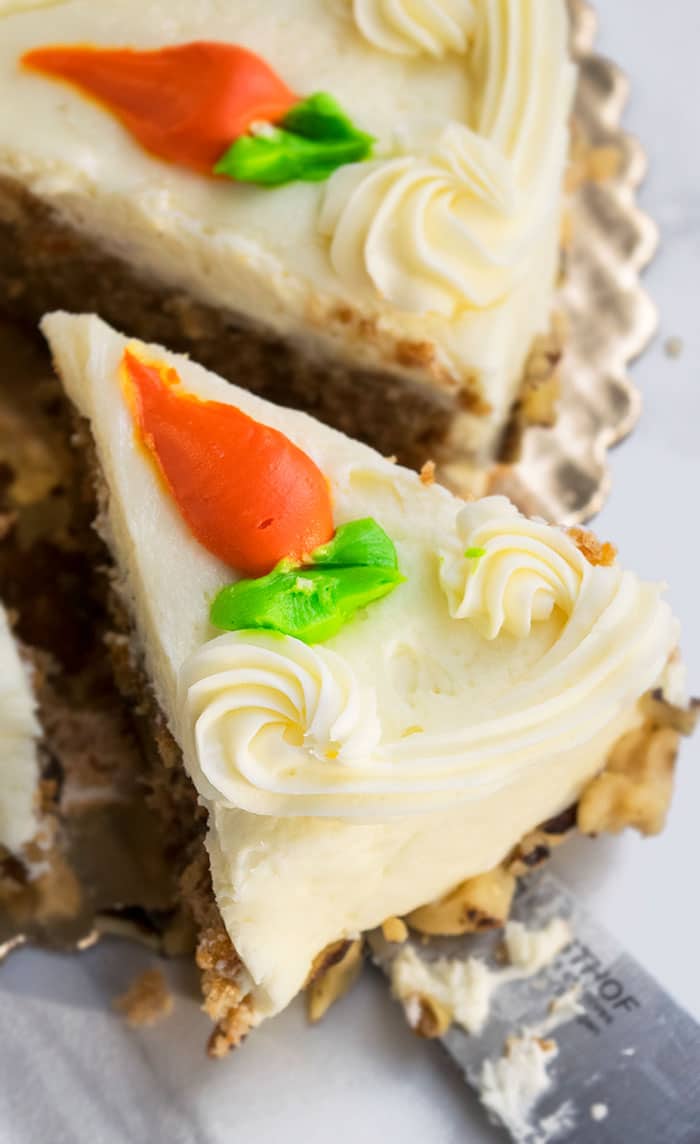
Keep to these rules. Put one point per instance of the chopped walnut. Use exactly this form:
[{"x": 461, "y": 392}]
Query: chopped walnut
[
  {"x": 333, "y": 978},
  {"x": 634, "y": 790},
  {"x": 394, "y": 930},
  {"x": 328, "y": 957},
  {"x": 636, "y": 786},
  {"x": 427, "y": 1016},
  {"x": 478, "y": 904},
  {"x": 536, "y": 847},
  {"x": 427, "y": 473},
  {"x": 664, "y": 714},
  {"x": 147, "y": 1000},
  {"x": 596, "y": 552}
]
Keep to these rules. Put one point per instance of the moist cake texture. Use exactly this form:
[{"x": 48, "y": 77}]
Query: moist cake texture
[
  {"x": 359, "y": 775},
  {"x": 398, "y": 298}
]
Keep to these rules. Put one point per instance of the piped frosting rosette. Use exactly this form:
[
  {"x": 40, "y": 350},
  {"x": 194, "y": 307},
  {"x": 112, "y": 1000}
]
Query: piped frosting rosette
[
  {"x": 279, "y": 728},
  {"x": 448, "y": 222},
  {"x": 430, "y": 232}
]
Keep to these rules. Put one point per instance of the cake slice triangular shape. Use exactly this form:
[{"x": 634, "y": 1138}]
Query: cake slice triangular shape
[{"x": 384, "y": 716}]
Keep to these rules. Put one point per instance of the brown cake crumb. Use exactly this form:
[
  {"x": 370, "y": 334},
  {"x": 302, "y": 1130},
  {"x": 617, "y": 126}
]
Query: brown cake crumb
[
  {"x": 415, "y": 354},
  {"x": 231, "y": 1030},
  {"x": 673, "y": 347},
  {"x": 595, "y": 551},
  {"x": 147, "y": 1000}
]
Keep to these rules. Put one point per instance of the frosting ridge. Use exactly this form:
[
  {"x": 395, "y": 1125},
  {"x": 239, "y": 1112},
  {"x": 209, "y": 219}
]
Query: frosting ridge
[
  {"x": 411, "y": 27},
  {"x": 452, "y": 224}
]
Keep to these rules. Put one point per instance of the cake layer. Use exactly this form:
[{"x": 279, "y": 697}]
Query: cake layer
[
  {"x": 19, "y": 735},
  {"x": 360, "y": 777},
  {"x": 432, "y": 263}
]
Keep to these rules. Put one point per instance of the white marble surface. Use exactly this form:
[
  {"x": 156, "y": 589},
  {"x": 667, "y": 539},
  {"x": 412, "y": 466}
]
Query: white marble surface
[{"x": 72, "y": 1074}]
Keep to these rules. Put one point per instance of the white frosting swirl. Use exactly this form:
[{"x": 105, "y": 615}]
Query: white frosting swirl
[
  {"x": 453, "y": 225},
  {"x": 429, "y": 233},
  {"x": 270, "y": 719},
  {"x": 527, "y": 569},
  {"x": 411, "y": 27},
  {"x": 275, "y": 727}
]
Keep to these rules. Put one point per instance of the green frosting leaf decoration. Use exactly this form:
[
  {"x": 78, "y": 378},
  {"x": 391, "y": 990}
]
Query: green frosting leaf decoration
[
  {"x": 475, "y": 553},
  {"x": 313, "y": 602},
  {"x": 314, "y": 139},
  {"x": 321, "y": 117},
  {"x": 362, "y": 542}
]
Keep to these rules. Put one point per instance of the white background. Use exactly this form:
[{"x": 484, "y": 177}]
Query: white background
[{"x": 69, "y": 1071}]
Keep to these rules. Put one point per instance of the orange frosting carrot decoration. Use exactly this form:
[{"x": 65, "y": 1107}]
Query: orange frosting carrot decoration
[
  {"x": 246, "y": 491},
  {"x": 185, "y": 104}
]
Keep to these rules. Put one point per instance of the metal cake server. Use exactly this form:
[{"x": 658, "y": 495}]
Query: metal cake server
[{"x": 628, "y": 1067}]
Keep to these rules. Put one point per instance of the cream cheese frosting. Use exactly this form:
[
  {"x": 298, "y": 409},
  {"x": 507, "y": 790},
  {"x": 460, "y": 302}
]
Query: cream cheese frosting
[
  {"x": 466, "y": 986},
  {"x": 19, "y": 734},
  {"x": 357, "y": 779},
  {"x": 449, "y": 238}
]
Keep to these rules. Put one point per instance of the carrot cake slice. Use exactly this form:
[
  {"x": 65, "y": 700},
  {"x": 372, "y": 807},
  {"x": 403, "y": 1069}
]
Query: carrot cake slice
[
  {"x": 389, "y": 701},
  {"x": 352, "y": 208}
]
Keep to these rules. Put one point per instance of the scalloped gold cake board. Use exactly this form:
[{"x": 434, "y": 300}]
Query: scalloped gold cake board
[{"x": 562, "y": 473}]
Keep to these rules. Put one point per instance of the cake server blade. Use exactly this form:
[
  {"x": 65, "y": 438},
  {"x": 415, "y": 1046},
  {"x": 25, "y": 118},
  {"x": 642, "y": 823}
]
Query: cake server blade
[{"x": 628, "y": 1067}]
